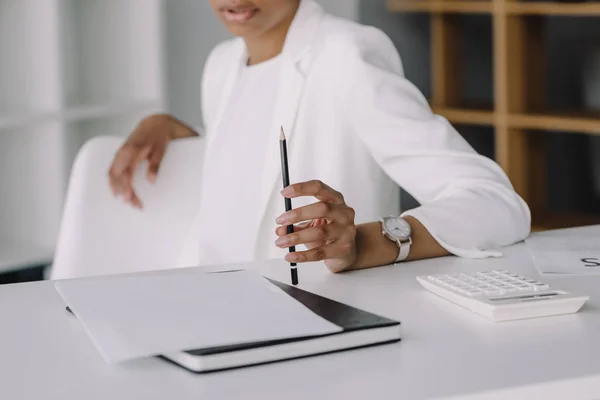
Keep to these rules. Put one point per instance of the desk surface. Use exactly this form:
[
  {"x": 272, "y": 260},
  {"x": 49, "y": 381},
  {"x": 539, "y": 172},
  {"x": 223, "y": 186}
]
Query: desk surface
[{"x": 445, "y": 352}]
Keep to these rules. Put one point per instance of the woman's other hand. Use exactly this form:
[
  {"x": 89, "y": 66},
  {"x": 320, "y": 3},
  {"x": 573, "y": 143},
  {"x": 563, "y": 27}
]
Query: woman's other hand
[{"x": 148, "y": 142}]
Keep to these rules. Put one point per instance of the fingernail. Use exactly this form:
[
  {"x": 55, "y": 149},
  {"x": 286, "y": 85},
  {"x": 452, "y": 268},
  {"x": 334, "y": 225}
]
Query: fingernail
[
  {"x": 282, "y": 219},
  {"x": 288, "y": 191},
  {"x": 291, "y": 257},
  {"x": 283, "y": 241}
]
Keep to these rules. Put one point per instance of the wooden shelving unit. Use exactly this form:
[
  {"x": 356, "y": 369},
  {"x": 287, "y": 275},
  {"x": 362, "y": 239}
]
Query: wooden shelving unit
[
  {"x": 518, "y": 114},
  {"x": 553, "y": 9},
  {"x": 458, "y": 6},
  {"x": 508, "y": 7},
  {"x": 466, "y": 116}
]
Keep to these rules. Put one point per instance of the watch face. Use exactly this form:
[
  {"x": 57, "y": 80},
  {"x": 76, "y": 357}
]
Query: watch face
[{"x": 397, "y": 227}]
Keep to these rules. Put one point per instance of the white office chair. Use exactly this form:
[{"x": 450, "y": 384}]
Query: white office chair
[{"x": 101, "y": 235}]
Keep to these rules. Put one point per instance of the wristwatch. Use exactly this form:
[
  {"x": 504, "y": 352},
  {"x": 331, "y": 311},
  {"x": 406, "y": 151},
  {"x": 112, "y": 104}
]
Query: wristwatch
[{"x": 398, "y": 231}]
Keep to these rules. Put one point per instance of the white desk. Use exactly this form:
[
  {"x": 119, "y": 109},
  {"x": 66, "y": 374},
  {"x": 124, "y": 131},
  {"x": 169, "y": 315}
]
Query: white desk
[{"x": 445, "y": 352}]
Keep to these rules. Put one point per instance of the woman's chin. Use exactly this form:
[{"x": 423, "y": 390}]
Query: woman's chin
[{"x": 242, "y": 31}]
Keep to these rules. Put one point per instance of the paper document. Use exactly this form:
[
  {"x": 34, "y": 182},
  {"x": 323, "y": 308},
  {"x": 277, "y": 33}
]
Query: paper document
[
  {"x": 131, "y": 317},
  {"x": 562, "y": 252}
]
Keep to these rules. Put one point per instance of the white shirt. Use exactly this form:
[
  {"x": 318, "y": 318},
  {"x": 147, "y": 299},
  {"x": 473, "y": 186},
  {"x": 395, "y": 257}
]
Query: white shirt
[
  {"x": 231, "y": 183},
  {"x": 354, "y": 121}
]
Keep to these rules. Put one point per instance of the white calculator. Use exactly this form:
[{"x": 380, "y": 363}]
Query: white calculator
[{"x": 501, "y": 295}]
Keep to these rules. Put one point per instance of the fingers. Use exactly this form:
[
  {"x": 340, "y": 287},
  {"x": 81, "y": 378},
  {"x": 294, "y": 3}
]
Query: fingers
[
  {"x": 155, "y": 157},
  {"x": 314, "y": 188},
  {"x": 120, "y": 166},
  {"x": 330, "y": 234},
  {"x": 132, "y": 198},
  {"x": 320, "y": 233},
  {"x": 282, "y": 230},
  {"x": 331, "y": 251},
  {"x": 335, "y": 212},
  {"x": 122, "y": 171}
]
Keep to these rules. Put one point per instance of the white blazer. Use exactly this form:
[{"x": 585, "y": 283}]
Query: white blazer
[{"x": 355, "y": 122}]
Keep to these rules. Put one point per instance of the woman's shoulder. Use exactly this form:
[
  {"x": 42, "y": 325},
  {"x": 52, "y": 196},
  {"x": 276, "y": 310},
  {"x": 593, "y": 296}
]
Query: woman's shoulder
[
  {"x": 345, "y": 39},
  {"x": 344, "y": 42},
  {"x": 351, "y": 34}
]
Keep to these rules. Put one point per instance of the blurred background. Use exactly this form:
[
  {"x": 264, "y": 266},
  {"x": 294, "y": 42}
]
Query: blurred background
[{"x": 520, "y": 80}]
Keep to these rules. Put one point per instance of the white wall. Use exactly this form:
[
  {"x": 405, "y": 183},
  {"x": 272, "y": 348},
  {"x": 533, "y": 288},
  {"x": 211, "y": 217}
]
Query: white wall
[
  {"x": 342, "y": 8},
  {"x": 192, "y": 31}
]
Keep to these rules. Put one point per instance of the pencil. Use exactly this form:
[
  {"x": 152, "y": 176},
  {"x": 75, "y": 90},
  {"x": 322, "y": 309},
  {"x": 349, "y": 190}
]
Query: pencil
[{"x": 285, "y": 173}]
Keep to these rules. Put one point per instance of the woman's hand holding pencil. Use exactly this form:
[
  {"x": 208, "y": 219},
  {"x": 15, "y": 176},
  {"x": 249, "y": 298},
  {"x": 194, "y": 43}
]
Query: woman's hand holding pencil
[{"x": 326, "y": 228}]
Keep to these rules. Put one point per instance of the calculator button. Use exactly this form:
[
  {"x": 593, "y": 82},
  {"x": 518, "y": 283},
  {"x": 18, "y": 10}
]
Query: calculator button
[
  {"x": 494, "y": 292},
  {"x": 540, "y": 286},
  {"x": 463, "y": 286}
]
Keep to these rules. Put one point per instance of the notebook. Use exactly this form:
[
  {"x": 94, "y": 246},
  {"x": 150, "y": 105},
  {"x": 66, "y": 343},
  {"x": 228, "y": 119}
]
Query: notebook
[
  {"x": 360, "y": 329},
  {"x": 137, "y": 316}
]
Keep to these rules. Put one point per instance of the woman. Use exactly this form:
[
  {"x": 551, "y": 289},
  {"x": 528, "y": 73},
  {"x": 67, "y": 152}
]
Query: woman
[{"x": 352, "y": 121}]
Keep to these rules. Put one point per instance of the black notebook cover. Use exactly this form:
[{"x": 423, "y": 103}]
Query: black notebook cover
[{"x": 342, "y": 315}]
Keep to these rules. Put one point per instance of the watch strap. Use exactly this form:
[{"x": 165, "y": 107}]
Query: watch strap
[{"x": 404, "y": 250}]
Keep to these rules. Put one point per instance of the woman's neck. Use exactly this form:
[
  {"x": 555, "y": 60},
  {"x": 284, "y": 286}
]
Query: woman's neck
[
  {"x": 268, "y": 45},
  {"x": 264, "y": 48}
]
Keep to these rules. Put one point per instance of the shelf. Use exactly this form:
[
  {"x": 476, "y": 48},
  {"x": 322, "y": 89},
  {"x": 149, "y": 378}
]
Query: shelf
[
  {"x": 465, "y": 116},
  {"x": 17, "y": 256},
  {"x": 112, "y": 125},
  {"x": 486, "y": 7},
  {"x": 574, "y": 122},
  {"x": 17, "y": 120},
  {"x": 591, "y": 9},
  {"x": 111, "y": 110},
  {"x": 28, "y": 47},
  {"x": 559, "y": 220},
  {"x": 111, "y": 51},
  {"x": 441, "y": 6}
]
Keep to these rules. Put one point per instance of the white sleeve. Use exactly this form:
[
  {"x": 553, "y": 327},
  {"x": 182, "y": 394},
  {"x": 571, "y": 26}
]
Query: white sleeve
[{"x": 467, "y": 202}]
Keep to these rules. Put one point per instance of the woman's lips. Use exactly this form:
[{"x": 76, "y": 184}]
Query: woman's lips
[{"x": 239, "y": 14}]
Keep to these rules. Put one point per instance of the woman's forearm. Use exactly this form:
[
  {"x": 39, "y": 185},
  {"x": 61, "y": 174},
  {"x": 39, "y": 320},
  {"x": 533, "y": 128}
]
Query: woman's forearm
[
  {"x": 373, "y": 249},
  {"x": 176, "y": 128}
]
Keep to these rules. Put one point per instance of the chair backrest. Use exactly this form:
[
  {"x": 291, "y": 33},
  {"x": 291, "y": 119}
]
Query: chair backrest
[{"x": 101, "y": 235}]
